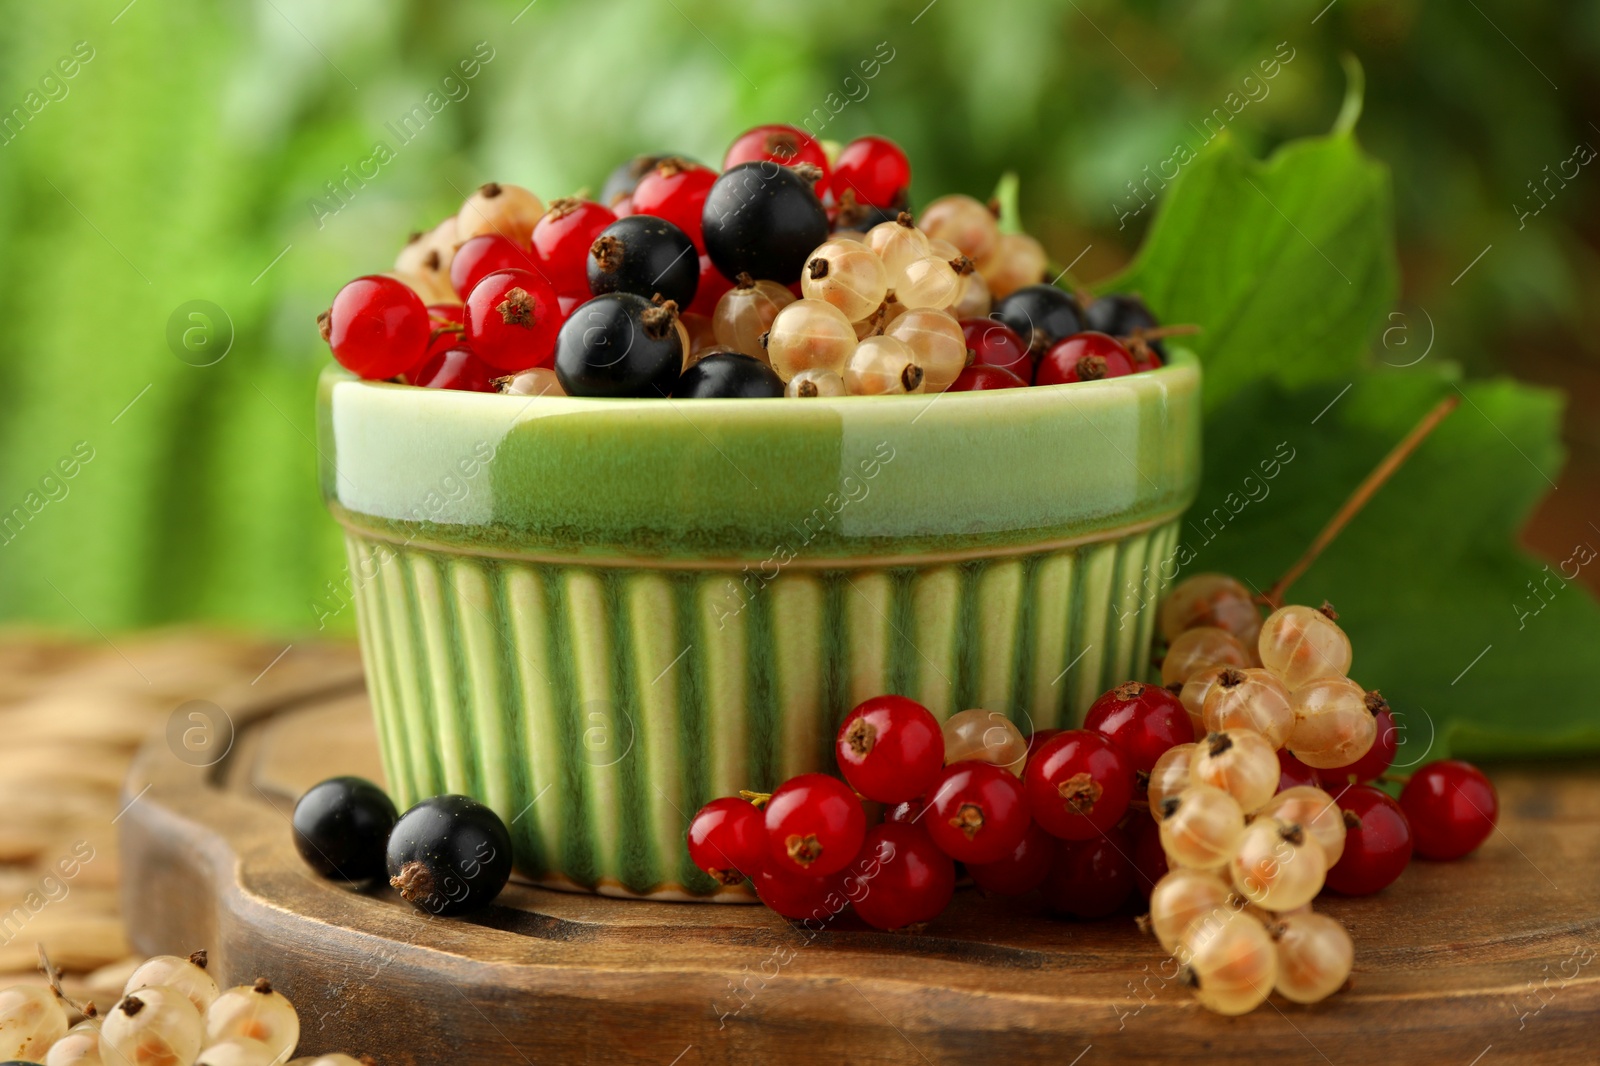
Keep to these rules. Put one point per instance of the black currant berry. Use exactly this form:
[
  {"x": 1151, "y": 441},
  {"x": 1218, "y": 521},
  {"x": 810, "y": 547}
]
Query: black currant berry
[
  {"x": 1040, "y": 315},
  {"x": 623, "y": 180},
  {"x": 620, "y": 345},
  {"x": 449, "y": 854},
  {"x": 341, "y": 827},
  {"x": 644, "y": 255},
  {"x": 1119, "y": 314},
  {"x": 728, "y": 375},
  {"x": 764, "y": 220}
]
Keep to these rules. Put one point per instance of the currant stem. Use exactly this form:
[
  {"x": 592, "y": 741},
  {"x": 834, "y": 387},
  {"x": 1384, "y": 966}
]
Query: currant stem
[
  {"x": 1358, "y": 499},
  {"x": 757, "y": 798}
]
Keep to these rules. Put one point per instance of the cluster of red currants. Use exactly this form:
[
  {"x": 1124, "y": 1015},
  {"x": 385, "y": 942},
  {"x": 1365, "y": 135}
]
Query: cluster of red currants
[
  {"x": 1185, "y": 793},
  {"x": 796, "y": 270}
]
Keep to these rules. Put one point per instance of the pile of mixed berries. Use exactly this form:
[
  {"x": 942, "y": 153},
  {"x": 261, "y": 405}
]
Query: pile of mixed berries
[
  {"x": 795, "y": 271},
  {"x": 1229, "y": 798}
]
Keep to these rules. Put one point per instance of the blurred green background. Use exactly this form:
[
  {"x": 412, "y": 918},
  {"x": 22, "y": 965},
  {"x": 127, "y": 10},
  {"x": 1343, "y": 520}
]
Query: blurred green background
[{"x": 187, "y": 157}]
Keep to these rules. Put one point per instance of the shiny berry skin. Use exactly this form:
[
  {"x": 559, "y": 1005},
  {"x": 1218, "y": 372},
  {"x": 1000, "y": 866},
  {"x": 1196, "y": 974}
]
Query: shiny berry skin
[
  {"x": 904, "y": 877},
  {"x": 1091, "y": 879},
  {"x": 621, "y": 182},
  {"x": 976, "y": 812},
  {"x": 646, "y": 256},
  {"x": 801, "y": 898},
  {"x": 713, "y": 286},
  {"x": 341, "y": 828},
  {"x": 728, "y": 375},
  {"x": 1119, "y": 314},
  {"x": 1036, "y": 740},
  {"x": 763, "y": 220},
  {"x": 984, "y": 378},
  {"x": 561, "y": 241},
  {"x": 994, "y": 343},
  {"x": 728, "y": 839},
  {"x": 1293, "y": 772},
  {"x": 512, "y": 319},
  {"x": 1149, "y": 858},
  {"x": 1083, "y": 357},
  {"x": 1020, "y": 872},
  {"x": 440, "y": 318},
  {"x": 377, "y": 327},
  {"x": 455, "y": 368},
  {"x": 1143, "y": 720},
  {"x": 449, "y": 854},
  {"x": 910, "y": 811},
  {"x": 619, "y": 345},
  {"x": 1377, "y": 842},
  {"x": 1078, "y": 784},
  {"x": 815, "y": 825},
  {"x": 1041, "y": 315},
  {"x": 675, "y": 189},
  {"x": 874, "y": 171},
  {"x": 482, "y": 256},
  {"x": 890, "y": 749},
  {"x": 1452, "y": 808},
  {"x": 785, "y": 145},
  {"x": 1379, "y": 757}
]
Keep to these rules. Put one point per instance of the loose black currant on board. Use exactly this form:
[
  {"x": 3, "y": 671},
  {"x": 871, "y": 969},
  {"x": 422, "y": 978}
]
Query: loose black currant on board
[
  {"x": 644, "y": 255},
  {"x": 341, "y": 827},
  {"x": 728, "y": 375},
  {"x": 623, "y": 180},
  {"x": 449, "y": 854},
  {"x": 1119, "y": 314},
  {"x": 1040, "y": 315},
  {"x": 764, "y": 220},
  {"x": 620, "y": 345}
]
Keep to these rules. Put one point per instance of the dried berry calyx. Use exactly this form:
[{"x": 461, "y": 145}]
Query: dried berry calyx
[
  {"x": 490, "y": 189},
  {"x": 413, "y": 882},
  {"x": 262, "y": 986},
  {"x": 1376, "y": 703},
  {"x": 1327, "y": 610},
  {"x": 1217, "y": 743},
  {"x": 517, "y": 308},
  {"x": 1129, "y": 690},
  {"x": 607, "y": 253},
  {"x": 1231, "y": 678},
  {"x": 861, "y": 735},
  {"x": 659, "y": 320},
  {"x": 1081, "y": 792},
  {"x": 131, "y": 1005},
  {"x": 804, "y": 850},
  {"x": 818, "y": 268},
  {"x": 1292, "y": 833},
  {"x": 1091, "y": 367},
  {"x": 968, "y": 819},
  {"x": 199, "y": 958}
]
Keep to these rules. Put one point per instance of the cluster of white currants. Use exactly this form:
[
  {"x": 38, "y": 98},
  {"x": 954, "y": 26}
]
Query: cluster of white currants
[
  {"x": 1246, "y": 859},
  {"x": 881, "y": 311},
  {"x": 171, "y": 1013}
]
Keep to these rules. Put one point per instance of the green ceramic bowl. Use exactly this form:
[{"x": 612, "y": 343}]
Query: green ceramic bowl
[{"x": 596, "y": 615}]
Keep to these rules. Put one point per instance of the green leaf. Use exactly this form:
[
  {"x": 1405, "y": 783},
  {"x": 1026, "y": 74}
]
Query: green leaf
[{"x": 1287, "y": 266}]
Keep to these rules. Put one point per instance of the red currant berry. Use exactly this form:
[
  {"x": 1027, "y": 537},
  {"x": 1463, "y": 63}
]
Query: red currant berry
[
  {"x": 977, "y": 812},
  {"x": 1377, "y": 842},
  {"x": 1452, "y": 808},
  {"x": 890, "y": 749},
  {"x": 676, "y": 191},
  {"x": 445, "y": 322},
  {"x": 561, "y": 241},
  {"x": 728, "y": 839},
  {"x": 377, "y": 327},
  {"x": 908, "y": 813},
  {"x": 874, "y": 171},
  {"x": 993, "y": 343},
  {"x": 1092, "y": 878},
  {"x": 984, "y": 378},
  {"x": 1378, "y": 758},
  {"x": 1083, "y": 357},
  {"x": 814, "y": 825},
  {"x": 1148, "y": 856},
  {"x": 1036, "y": 740},
  {"x": 784, "y": 145},
  {"x": 512, "y": 320},
  {"x": 1020, "y": 872},
  {"x": 1143, "y": 720},
  {"x": 713, "y": 286},
  {"x": 482, "y": 256},
  {"x": 455, "y": 368},
  {"x": 1078, "y": 785},
  {"x": 1292, "y": 772},
  {"x": 801, "y": 898},
  {"x": 901, "y": 877}
]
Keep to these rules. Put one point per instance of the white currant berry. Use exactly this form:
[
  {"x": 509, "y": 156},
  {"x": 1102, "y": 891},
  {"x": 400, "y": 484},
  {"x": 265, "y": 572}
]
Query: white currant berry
[
  {"x": 1017, "y": 261},
  {"x": 1200, "y": 827},
  {"x": 809, "y": 384},
  {"x": 1314, "y": 956},
  {"x": 1334, "y": 723},
  {"x": 1194, "y": 692},
  {"x": 973, "y": 299},
  {"x": 1278, "y": 866},
  {"x": 80, "y": 1047},
  {"x": 31, "y": 1019},
  {"x": 1211, "y": 600},
  {"x": 336, "y": 1059},
  {"x": 1201, "y": 648},
  {"x": 509, "y": 210},
  {"x": 186, "y": 975},
  {"x": 1302, "y": 644},
  {"x": 984, "y": 736},
  {"x": 810, "y": 335},
  {"x": 1251, "y": 699},
  {"x": 430, "y": 253},
  {"x": 1182, "y": 896},
  {"x": 1315, "y": 811},
  {"x": 931, "y": 282},
  {"x": 1170, "y": 775},
  {"x": 936, "y": 343},
  {"x": 540, "y": 381},
  {"x": 746, "y": 312},
  {"x": 848, "y": 275},
  {"x": 1230, "y": 963},
  {"x": 154, "y": 1026},
  {"x": 964, "y": 222},
  {"x": 882, "y": 366},
  {"x": 1239, "y": 762},
  {"x": 898, "y": 244},
  {"x": 239, "y": 1051},
  {"x": 431, "y": 289},
  {"x": 257, "y": 1012}
]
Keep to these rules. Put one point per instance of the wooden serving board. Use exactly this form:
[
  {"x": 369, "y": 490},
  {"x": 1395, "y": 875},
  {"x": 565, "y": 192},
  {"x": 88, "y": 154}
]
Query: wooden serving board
[{"x": 1486, "y": 961}]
